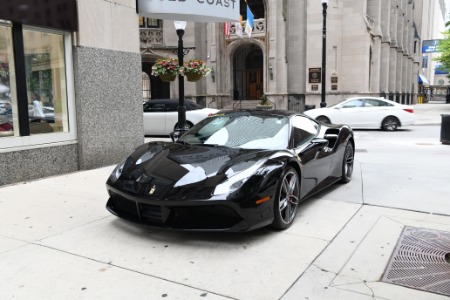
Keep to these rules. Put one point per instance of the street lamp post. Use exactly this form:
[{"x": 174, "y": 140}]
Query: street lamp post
[
  {"x": 180, "y": 26},
  {"x": 323, "y": 103}
]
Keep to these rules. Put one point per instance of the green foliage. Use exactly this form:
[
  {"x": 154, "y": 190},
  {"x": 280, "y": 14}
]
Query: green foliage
[
  {"x": 444, "y": 48},
  {"x": 264, "y": 100}
]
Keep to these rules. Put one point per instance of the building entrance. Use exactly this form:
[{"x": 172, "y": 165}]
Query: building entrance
[{"x": 248, "y": 79}]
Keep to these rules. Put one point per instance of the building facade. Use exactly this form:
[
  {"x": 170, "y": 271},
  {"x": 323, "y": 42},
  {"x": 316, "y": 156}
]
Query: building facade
[
  {"x": 73, "y": 74},
  {"x": 437, "y": 84},
  {"x": 373, "y": 48},
  {"x": 71, "y": 84}
]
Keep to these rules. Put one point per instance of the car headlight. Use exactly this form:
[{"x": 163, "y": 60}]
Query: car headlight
[
  {"x": 118, "y": 170},
  {"x": 236, "y": 180}
]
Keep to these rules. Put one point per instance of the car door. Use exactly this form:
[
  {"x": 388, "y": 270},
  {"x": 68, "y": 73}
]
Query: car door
[
  {"x": 375, "y": 111},
  {"x": 350, "y": 113},
  {"x": 312, "y": 153},
  {"x": 154, "y": 118}
]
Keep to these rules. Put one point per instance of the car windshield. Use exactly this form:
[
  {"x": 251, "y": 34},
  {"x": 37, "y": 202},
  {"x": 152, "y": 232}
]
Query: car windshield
[{"x": 241, "y": 131}]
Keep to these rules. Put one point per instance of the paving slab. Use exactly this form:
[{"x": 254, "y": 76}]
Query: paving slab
[
  {"x": 37, "y": 272},
  {"x": 256, "y": 265},
  {"x": 352, "y": 266},
  {"x": 7, "y": 244},
  {"x": 42, "y": 208}
]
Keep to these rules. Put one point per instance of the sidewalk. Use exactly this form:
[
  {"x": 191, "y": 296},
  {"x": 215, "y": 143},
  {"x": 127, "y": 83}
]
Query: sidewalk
[
  {"x": 430, "y": 113},
  {"x": 57, "y": 241}
]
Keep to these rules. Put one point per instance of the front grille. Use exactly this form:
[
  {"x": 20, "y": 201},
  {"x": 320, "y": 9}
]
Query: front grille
[
  {"x": 218, "y": 217},
  {"x": 204, "y": 217},
  {"x": 123, "y": 207},
  {"x": 151, "y": 213}
]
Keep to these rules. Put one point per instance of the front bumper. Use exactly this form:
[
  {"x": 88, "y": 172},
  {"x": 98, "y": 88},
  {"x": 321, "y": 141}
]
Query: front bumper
[{"x": 192, "y": 215}]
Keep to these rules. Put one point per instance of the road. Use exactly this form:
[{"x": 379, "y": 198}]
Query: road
[{"x": 399, "y": 169}]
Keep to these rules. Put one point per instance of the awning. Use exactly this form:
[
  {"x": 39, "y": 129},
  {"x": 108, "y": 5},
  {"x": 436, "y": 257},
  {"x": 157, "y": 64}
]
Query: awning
[{"x": 423, "y": 80}]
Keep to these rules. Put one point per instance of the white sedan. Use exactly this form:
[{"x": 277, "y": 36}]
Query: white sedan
[
  {"x": 366, "y": 112},
  {"x": 161, "y": 115}
]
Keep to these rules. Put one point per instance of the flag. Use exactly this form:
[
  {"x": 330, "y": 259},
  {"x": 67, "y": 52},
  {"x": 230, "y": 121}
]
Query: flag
[
  {"x": 239, "y": 27},
  {"x": 249, "y": 25},
  {"x": 226, "y": 29}
]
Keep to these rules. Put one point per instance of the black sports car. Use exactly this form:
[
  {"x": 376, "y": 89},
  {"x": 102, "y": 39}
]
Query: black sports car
[{"x": 233, "y": 171}]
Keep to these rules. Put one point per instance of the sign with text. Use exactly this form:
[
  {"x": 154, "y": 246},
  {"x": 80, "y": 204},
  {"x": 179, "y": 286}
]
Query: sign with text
[
  {"x": 429, "y": 46},
  {"x": 190, "y": 10},
  {"x": 315, "y": 75}
]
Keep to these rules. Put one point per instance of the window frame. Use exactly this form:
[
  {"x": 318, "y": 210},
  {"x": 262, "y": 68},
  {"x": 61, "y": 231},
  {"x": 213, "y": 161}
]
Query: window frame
[
  {"x": 145, "y": 23},
  {"x": 14, "y": 143}
]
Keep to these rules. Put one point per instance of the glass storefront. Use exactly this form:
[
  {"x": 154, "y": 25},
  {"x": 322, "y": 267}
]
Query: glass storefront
[
  {"x": 46, "y": 81},
  {"x": 41, "y": 106},
  {"x": 8, "y": 99}
]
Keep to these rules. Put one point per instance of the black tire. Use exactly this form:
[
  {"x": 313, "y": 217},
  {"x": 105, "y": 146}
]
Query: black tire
[
  {"x": 287, "y": 199},
  {"x": 347, "y": 163},
  {"x": 390, "y": 123},
  {"x": 323, "y": 119}
]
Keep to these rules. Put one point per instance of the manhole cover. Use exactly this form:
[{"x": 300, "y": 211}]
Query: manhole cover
[{"x": 421, "y": 260}]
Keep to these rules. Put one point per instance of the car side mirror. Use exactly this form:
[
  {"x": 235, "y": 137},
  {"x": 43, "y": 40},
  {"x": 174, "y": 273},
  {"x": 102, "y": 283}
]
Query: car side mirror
[
  {"x": 174, "y": 136},
  {"x": 316, "y": 143},
  {"x": 320, "y": 143}
]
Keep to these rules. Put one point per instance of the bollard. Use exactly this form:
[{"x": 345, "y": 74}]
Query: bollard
[{"x": 445, "y": 129}]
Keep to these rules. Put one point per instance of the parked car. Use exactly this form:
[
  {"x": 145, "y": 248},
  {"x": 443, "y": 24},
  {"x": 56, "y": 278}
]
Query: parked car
[
  {"x": 161, "y": 115},
  {"x": 37, "y": 124},
  {"x": 233, "y": 171},
  {"x": 6, "y": 126},
  {"x": 4, "y": 105},
  {"x": 366, "y": 112}
]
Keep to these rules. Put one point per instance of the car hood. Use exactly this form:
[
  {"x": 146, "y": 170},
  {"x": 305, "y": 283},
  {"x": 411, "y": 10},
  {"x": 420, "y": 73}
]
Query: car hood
[{"x": 157, "y": 167}]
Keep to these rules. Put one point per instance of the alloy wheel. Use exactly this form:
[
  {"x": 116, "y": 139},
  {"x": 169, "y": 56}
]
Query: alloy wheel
[{"x": 289, "y": 197}]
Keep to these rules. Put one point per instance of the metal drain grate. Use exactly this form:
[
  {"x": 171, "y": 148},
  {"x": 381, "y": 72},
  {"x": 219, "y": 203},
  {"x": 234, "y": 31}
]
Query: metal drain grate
[{"x": 421, "y": 261}]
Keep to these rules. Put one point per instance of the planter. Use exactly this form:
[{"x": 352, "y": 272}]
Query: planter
[
  {"x": 167, "y": 77},
  {"x": 193, "y": 76},
  {"x": 263, "y": 106}
]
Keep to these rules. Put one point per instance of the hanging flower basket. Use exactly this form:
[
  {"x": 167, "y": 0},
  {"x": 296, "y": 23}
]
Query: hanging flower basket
[
  {"x": 195, "y": 69},
  {"x": 167, "y": 77},
  {"x": 193, "y": 76},
  {"x": 166, "y": 68}
]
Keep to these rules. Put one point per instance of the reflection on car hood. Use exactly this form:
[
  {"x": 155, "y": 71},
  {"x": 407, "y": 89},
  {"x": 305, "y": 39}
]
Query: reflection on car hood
[{"x": 163, "y": 165}]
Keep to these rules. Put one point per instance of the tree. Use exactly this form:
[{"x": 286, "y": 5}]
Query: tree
[{"x": 444, "y": 48}]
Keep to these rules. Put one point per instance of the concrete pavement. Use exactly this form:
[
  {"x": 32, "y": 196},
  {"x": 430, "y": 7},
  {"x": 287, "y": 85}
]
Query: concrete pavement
[{"x": 57, "y": 241}]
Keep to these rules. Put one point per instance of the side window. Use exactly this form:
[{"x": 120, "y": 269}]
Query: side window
[
  {"x": 154, "y": 107},
  {"x": 353, "y": 103},
  {"x": 373, "y": 103},
  {"x": 304, "y": 130},
  {"x": 172, "y": 107}
]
